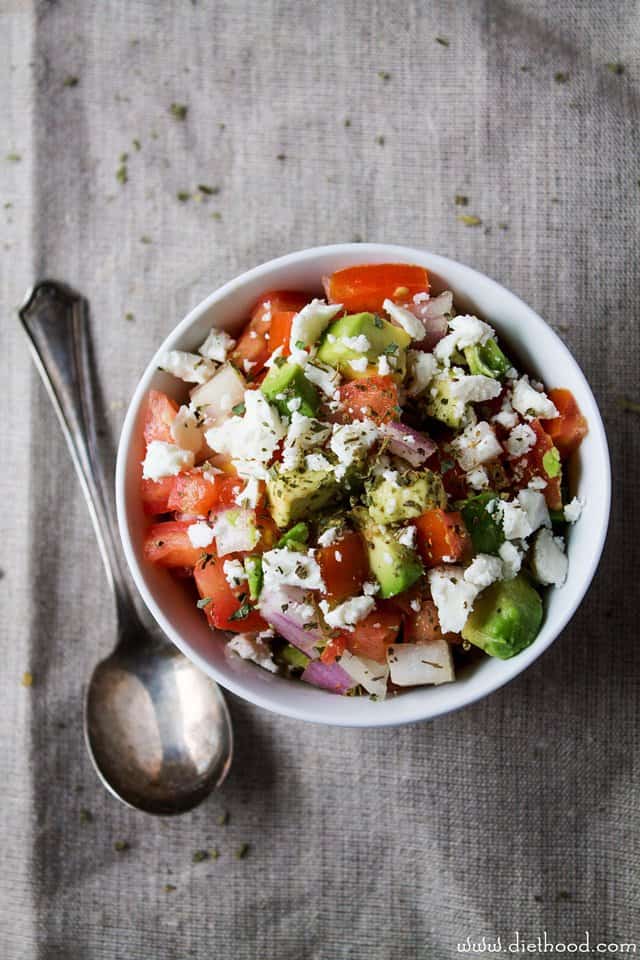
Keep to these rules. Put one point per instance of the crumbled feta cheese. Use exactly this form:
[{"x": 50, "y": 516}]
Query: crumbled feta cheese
[
  {"x": 484, "y": 570},
  {"x": 350, "y": 441},
  {"x": 476, "y": 445},
  {"x": 532, "y": 403},
  {"x": 421, "y": 368},
  {"x": 235, "y": 530},
  {"x": 317, "y": 461},
  {"x": 511, "y": 560},
  {"x": 347, "y": 614},
  {"x": 329, "y": 536},
  {"x": 574, "y": 509},
  {"x": 370, "y": 589},
  {"x": 514, "y": 520},
  {"x": 249, "y": 647},
  {"x": 549, "y": 562},
  {"x": 248, "y": 365},
  {"x": 217, "y": 345},
  {"x": 421, "y": 297},
  {"x": 415, "y": 605},
  {"x": 188, "y": 366},
  {"x": 324, "y": 378},
  {"x": 521, "y": 439},
  {"x": 478, "y": 478},
  {"x": 253, "y": 436},
  {"x": 359, "y": 343},
  {"x": 537, "y": 483},
  {"x": 535, "y": 506},
  {"x": 453, "y": 597},
  {"x": 473, "y": 388},
  {"x": 282, "y": 567},
  {"x": 359, "y": 364},
  {"x": 408, "y": 537},
  {"x": 507, "y": 417},
  {"x": 294, "y": 404},
  {"x": 200, "y": 534},
  {"x": 250, "y": 494},
  {"x": 186, "y": 430},
  {"x": 303, "y": 434},
  {"x": 275, "y": 356},
  {"x": 368, "y": 673},
  {"x": 310, "y": 322},
  {"x": 165, "y": 460},
  {"x": 405, "y": 319},
  {"x": 466, "y": 331},
  {"x": 383, "y": 365},
  {"x": 234, "y": 572}
]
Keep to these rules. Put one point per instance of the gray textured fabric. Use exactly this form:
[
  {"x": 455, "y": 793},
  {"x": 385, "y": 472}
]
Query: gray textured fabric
[{"x": 520, "y": 813}]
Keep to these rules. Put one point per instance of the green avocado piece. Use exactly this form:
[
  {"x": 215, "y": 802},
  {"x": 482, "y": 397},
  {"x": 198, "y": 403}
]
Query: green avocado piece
[
  {"x": 505, "y": 618},
  {"x": 395, "y": 567},
  {"x": 384, "y": 338},
  {"x": 288, "y": 382},
  {"x": 487, "y": 359},
  {"x": 484, "y": 528},
  {"x": 294, "y": 657},
  {"x": 441, "y": 403},
  {"x": 392, "y": 500},
  {"x": 294, "y": 537},
  {"x": 294, "y": 494},
  {"x": 253, "y": 569}
]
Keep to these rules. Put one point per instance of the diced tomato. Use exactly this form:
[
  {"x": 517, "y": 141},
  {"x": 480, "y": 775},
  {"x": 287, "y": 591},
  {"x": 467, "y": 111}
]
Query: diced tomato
[
  {"x": 532, "y": 465},
  {"x": 453, "y": 476},
  {"x": 281, "y": 331},
  {"x": 225, "y": 601},
  {"x": 168, "y": 545},
  {"x": 441, "y": 535},
  {"x": 367, "y": 287},
  {"x": 159, "y": 414},
  {"x": 423, "y": 625},
  {"x": 569, "y": 429},
  {"x": 194, "y": 492},
  {"x": 371, "y": 637},
  {"x": 155, "y": 495},
  {"x": 344, "y": 577},
  {"x": 372, "y": 398},
  {"x": 334, "y": 648},
  {"x": 254, "y": 344}
]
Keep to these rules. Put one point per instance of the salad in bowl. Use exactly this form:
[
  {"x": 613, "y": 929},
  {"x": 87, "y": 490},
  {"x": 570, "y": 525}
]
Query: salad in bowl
[{"x": 366, "y": 489}]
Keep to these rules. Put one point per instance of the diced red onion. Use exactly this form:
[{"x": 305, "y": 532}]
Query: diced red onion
[
  {"x": 329, "y": 676},
  {"x": 288, "y": 623},
  {"x": 433, "y": 315},
  {"x": 411, "y": 445}
]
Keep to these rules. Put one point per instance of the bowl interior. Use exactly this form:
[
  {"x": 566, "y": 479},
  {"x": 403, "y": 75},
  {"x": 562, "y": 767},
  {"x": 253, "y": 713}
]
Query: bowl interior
[{"x": 538, "y": 350}]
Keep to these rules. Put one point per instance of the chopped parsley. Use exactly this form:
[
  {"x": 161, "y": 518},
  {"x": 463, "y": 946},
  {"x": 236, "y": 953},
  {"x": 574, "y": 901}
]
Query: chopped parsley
[
  {"x": 203, "y": 602},
  {"x": 179, "y": 111},
  {"x": 470, "y": 220},
  {"x": 242, "y": 612}
]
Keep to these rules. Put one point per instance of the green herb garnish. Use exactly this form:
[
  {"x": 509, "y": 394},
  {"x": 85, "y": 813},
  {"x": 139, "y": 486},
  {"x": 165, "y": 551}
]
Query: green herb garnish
[
  {"x": 380, "y": 140},
  {"x": 460, "y": 200},
  {"x": 442, "y": 41},
  {"x": 469, "y": 220},
  {"x": 145, "y": 239},
  {"x": 14, "y": 157},
  {"x": 631, "y": 405},
  {"x": 203, "y": 602},
  {"x": 199, "y": 856},
  {"x": 239, "y": 409},
  {"x": 136, "y": 144},
  {"x": 617, "y": 68},
  {"x": 179, "y": 111},
  {"x": 242, "y": 612},
  {"x": 223, "y": 819},
  {"x": 121, "y": 846},
  {"x": 27, "y": 679},
  {"x": 168, "y": 888},
  {"x": 561, "y": 77},
  {"x": 129, "y": 317},
  {"x": 210, "y": 191},
  {"x": 122, "y": 174},
  {"x": 183, "y": 196},
  {"x": 70, "y": 81},
  {"x": 384, "y": 74},
  {"x": 85, "y": 815},
  {"x": 242, "y": 851}
]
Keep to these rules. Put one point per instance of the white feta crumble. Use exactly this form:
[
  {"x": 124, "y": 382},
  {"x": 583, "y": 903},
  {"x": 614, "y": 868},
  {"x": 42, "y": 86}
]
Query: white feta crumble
[
  {"x": 511, "y": 558},
  {"x": 573, "y": 510},
  {"x": 359, "y": 343},
  {"x": 317, "y": 461},
  {"x": 405, "y": 319},
  {"x": 282, "y": 567},
  {"x": 453, "y": 597},
  {"x": 249, "y": 647},
  {"x": 234, "y": 572},
  {"x": 165, "y": 460},
  {"x": 473, "y": 388},
  {"x": 250, "y": 494},
  {"x": 188, "y": 366},
  {"x": 478, "y": 478},
  {"x": 466, "y": 331},
  {"x": 535, "y": 506},
  {"x": 368, "y": 673},
  {"x": 513, "y": 518},
  {"x": 200, "y": 534},
  {"x": 294, "y": 404},
  {"x": 537, "y": 483},
  {"x": 347, "y": 614},
  {"x": 370, "y": 589},
  {"x": 484, "y": 570},
  {"x": 303, "y": 434},
  {"x": 253, "y": 436},
  {"x": 273, "y": 359},
  {"x": 532, "y": 403},
  {"x": 383, "y": 365},
  {"x": 408, "y": 536},
  {"x": 476, "y": 445},
  {"x": 186, "y": 430},
  {"x": 415, "y": 605},
  {"x": 359, "y": 364},
  {"x": 521, "y": 439},
  {"x": 350, "y": 441},
  {"x": 549, "y": 562},
  {"x": 421, "y": 368},
  {"x": 329, "y": 536},
  {"x": 235, "y": 530},
  {"x": 325, "y": 379},
  {"x": 310, "y": 322},
  {"x": 248, "y": 365},
  {"x": 217, "y": 345},
  {"x": 507, "y": 417}
]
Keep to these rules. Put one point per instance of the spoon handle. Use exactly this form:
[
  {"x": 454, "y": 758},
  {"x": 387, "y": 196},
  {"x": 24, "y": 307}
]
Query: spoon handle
[{"x": 55, "y": 320}]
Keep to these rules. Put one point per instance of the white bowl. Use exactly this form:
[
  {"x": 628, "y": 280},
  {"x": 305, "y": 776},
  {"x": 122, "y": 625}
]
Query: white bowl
[{"x": 537, "y": 349}]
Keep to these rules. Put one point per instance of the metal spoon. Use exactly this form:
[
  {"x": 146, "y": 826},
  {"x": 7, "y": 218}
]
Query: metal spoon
[{"x": 157, "y": 729}]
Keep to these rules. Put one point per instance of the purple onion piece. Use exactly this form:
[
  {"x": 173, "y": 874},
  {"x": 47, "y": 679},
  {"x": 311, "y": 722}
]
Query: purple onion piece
[
  {"x": 411, "y": 445},
  {"x": 287, "y": 624},
  {"x": 329, "y": 676},
  {"x": 433, "y": 314}
]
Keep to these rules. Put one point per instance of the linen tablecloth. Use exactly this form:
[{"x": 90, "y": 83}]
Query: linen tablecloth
[{"x": 314, "y": 123}]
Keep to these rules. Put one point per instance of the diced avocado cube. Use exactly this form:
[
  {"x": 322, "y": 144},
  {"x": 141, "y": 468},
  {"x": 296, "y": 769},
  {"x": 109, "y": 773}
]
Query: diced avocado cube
[
  {"x": 383, "y": 338},
  {"x": 442, "y": 405},
  {"x": 484, "y": 526},
  {"x": 487, "y": 359},
  {"x": 286, "y": 383},
  {"x": 392, "y": 499},
  {"x": 294, "y": 657},
  {"x": 505, "y": 618},
  {"x": 395, "y": 567},
  {"x": 296, "y": 536},
  {"x": 253, "y": 569},
  {"x": 294, "y": 494}
]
